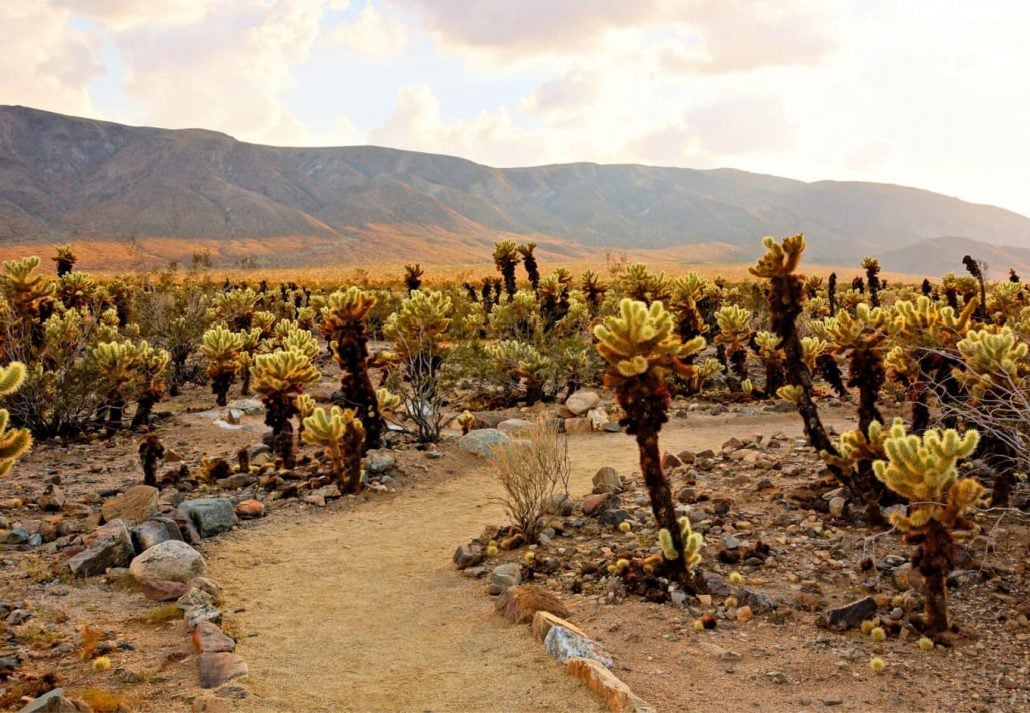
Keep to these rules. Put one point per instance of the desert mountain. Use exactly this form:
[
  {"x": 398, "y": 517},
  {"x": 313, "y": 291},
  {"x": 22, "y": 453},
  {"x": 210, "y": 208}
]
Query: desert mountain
[{"x": 66, "y": 178}]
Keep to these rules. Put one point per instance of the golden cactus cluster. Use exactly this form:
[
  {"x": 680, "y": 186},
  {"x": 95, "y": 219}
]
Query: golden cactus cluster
[
  {"x": 14, "y": 442},
  {"x": 692, "y": 543},
  {"x": 641, "y": 338}
]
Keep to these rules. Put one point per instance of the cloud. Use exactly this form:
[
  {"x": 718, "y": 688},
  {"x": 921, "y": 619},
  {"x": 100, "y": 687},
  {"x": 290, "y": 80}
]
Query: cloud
[
  {"x": 372, "y": 34},
  {"x": 45, "y": 63},
  {"x": 228, "y": 72},
  {"x": 572, "y": 91},
  {"x": 119, "y": 14},
  {"x": 416, "y": 124}
]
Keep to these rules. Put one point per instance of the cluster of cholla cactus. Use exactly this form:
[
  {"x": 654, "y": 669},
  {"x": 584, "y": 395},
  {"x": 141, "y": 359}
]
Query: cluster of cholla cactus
[
  {"x": 733, "y": 338},
  {"x": 643, "y": 352},
  {"x": 13, "y": 441},
  {"x": 280, "y": 377},
  {"x": 341, "y": 433},
  {"x": 127, "y": 369},
  {"x": 222, "y": 348},
  {"x": 344, "y": 327},
  {"x": 924, "y": 470}
]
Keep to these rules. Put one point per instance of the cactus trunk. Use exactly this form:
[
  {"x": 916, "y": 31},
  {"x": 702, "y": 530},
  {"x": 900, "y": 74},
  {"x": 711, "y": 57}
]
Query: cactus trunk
[{"x": 933, "y": 559}]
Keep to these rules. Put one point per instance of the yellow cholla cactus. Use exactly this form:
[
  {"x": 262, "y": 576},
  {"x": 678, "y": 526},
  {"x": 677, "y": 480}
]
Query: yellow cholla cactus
[
  {"x": 924, "y": 470},
  {"x": 641, "y": 284},
  {"x": 708, "y": 368},
  {"x": 992, "y": 360},
  {"x": 791, "y": 393},
  {"x": 854, "y": 446},
  {"x": 342, "y": 435},
  {"x": 779, "y": 259},
  {"x": 13, "y": 442},
  {"x": 641, "y": 338},
  {"x": 117, "y": 363},
  {"x": 465, "y": 420},
  {"x": 421, "y": 322},
  {"x": 283, "y": 372},
  {"x": 692, "y": 542},
  {"x": 305, "y": 405},
  {"x": 22, "y": 287},
  {"x": 347, "y": 306},
  {"x": 387, "y": 400}
]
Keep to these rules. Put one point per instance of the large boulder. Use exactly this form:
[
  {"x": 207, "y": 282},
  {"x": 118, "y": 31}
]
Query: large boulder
[
  {"x": 172, "y": 560},
  {"x": 483, "y": 442},
  {"x": 582, "y": 401},
  {"x": 210, "y": 516},
  {"x": 108, "y": 546},
  {"x": 154, "y": 532},
  {"x": 135, "y": 505}
]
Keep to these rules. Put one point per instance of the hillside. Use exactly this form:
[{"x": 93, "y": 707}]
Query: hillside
[
  {"x": 66, "y": 178},
  {"x": 941, "y": 255}
]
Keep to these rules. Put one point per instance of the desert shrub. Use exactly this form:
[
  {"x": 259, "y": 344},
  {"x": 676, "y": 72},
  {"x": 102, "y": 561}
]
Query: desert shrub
[{"x": 532, "y": 470}]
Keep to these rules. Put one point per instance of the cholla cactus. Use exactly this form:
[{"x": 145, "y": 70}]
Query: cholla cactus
[
  {"x": 420, "y": 324},
  {"x": 692, "y": 542},
  {"x": 413, "y": 277},
  {"x": 639, "y": 283},
  {"x": 924, "y": 470},
  {"x": 344, "y": 327},
  {"x": 221, "y": 348},
  {"x": 733, "y": 337},
  {"x": 387, "y": 400},
  {"x": 872, "y": 271},
  {"x": 75, "y": 289},
  {"x": 13, "y": 441},
  {"x": 643, "y": 351},
  {"x": 529, "y": 261},
  {"x": 506, "y": 258},
  {"x": 117, "y": 363},
  {"x": 689, "y": 294},
  {"x": 304, "y": 404},
  {"x": 26, "y": 292},
  {"x": 862, "y": 338},
  {"x": 151, "y": 365},
  {"x": 593, "y": 289},
  {"x": 280, "y": 377},
  {"x": 465, "y": 420},
  {"x": 236, "y": 308},
  {"x": 341, "y": 434},
  {"x": 772, "y": 356},
  {"x": 65, "y": 260}
]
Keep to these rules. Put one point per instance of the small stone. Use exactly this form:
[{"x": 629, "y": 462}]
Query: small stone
[
  {"x": 519, "y": 604},
  {"x": 544, "y": 620},
  {"x": 730, "y": 542},
  {"x": 593, "y": 505},
  {"x": 757, "y": 601},
  {"x": 598, "y": 418},
  {"x": 195, "y": 598},
  {"x": 127, "y": 676},
  {"x": 777, "y": 676},
  {"x": 483, "y": 442},
  {"x": 616, "y": 695},
  {"x": 505, "y": 576},
  {"x": 155, "y": 531},
  {"x": 162, "y": 590},
  {"x": 211, "y": 516},
  {"x": 205, "y": 584},
  {"x": 135, "y": 505},
  {"x": 837, "y": 505},
  {"x": 51, "y": 702},
  {"x": 607, "y": 480},
  {"x": 209, "y": 639},
  {"x": 582, "y": 401},
  {"x": 197, "y": 615},
  {"x": 849, "y": 615},
  {"x": 249, "y": 509},
  {"x": 52, "y": 499},
  {"x": 563, "y": 644},
  {"x": 234, "y": 416},
  {"x": 468, "y": 556},
  {"x": 670, "y": 461},
  {"x": 718, "y": 652},
  {"x": 218, "y": 668},
  {"x": 378, "y": 462},
  {"x": 172, "y": 560}
]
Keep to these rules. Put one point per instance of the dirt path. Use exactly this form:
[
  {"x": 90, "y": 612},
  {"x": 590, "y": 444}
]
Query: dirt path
[{"x": 361, "y": 610}]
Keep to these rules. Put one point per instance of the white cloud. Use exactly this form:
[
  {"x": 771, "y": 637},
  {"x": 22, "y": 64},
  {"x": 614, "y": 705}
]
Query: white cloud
[
  {"x": 45, "y": 63},
  {"x": 372, "y": 34},
  {"x": 119, "y": 14}
]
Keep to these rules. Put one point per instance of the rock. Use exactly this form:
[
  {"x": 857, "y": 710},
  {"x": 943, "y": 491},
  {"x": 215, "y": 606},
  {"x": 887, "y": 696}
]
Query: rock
[
  {"x": 544, "y": 620},
  {"x": 730, "y": 542},
  {"x": 582, "y": 401},
  {"x": 577, "y": 425},
  {"x": 251, "y": 407},
  {"x": 613, "y": 518},
  {"x": 563, "y": 644},
  {"x": 211, "y": 516},
  {"x": 53, "y": 702},
  {"x": 197, "y": 615},
  {"x": 504, "y": 576},
  {"x": 612, "y": 427},
  {"x": 607, "y": 480},
  {"x": 718, "y": 651},
  {"x": 515, "y": 426},
  {"x": 162, "y": 590},
  {"x": 235, "y": 481},
  {"x": 219, "y": 668},
  {"x": 172, "y": 560},
  {"x": 233, "y": 416},
  {"x": 758, "y": 602},
  {"x": 52, "y": 499},
  {"x": 716, "y": 584},
  {"x": 777, "y": 677},
  {"x": 249, "y": 509},
  {"x": 598, "y": 418},
  {"x": 849, "y": 615},
  {"x": 127, "y": 676},
  {"x": 137, "y": 504},
  {"x": 208, "y": 639},
  {"x": 153, "y": 532},
  {"x": 378, "y": 462},
  {"x": 837, "y": 505},
  {"x": 15, "y": 536},
  {"x": 483, "y": 442},
  {"x": 208, "y": 585},
  {"x": 670, "y": 461},
  {"x": 468, "y": 556},
  {"x": 594, "y": 505},
  {"x": 519, "y": 604},
  {"x": 108, "y": 546},
  {"x": 195, "y": 598},
  {"x": 616, "y": 695}
]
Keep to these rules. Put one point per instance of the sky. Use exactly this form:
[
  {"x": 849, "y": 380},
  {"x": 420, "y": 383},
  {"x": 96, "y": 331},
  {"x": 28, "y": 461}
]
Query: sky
[{"x": 928, "y": 94}]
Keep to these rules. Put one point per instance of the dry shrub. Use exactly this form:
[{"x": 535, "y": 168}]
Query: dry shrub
[
  {"x": 103, "y": 701},
  {"x": 533, "y": 468}
]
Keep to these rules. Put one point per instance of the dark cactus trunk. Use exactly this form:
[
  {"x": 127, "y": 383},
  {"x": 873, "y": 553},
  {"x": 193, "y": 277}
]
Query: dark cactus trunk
[
  {"x": 356, "y": 385},
  {"x": 933, "y": 559}
]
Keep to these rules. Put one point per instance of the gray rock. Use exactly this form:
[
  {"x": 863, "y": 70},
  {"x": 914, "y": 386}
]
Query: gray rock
[
  {"x": 756, "y": 600},
  {"x": 730, "y": 542},
  {"x": 837, "y": 505},
  {"x": 198, "y": 614},
  {"x": 849, "y": 615},
  {"x": 483, "y": 442},
  {"x": 108, "y": 546},
  {"x": 16, "y": 536},
  {"x": 718, "y": 651},
  {"x": 380, "y": 462},
  {"x": 468, "y": 556},
  {"x": 251, "y": 407},
  {"x": 514, "y": 426},
  {"x": 195, "y": 598},
  {"x": 50, "y": 702},
  {"x": 613, "y": 518},
  {"x": 218, "y": 668},
  {"x": 607, "y": 480},
  {"x": 211, "y": 516},
  {"x": 52, "y": 499},
  {"x": 563, "y": 644},
  {"x": 582, "y": 401},
  {"x": 172, "y": 560},
  {"x": 504, "y": 576},
  {"x": 777, "y": 677},
  {"x": 135, "y": 505},
  {"x": 154, "y": 532}
]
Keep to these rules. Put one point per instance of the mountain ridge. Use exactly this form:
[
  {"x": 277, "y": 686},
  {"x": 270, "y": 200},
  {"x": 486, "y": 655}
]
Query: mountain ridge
[{"x": 66, "y": 178}]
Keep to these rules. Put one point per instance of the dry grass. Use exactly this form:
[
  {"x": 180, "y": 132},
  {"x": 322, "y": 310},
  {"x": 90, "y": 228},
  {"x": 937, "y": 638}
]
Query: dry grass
[{"x": 532, "y": 469}]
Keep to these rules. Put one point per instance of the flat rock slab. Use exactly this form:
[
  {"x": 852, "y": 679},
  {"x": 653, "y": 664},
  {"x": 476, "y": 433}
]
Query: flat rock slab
[
  {"x": 137, "y": 504},
  {"x": 544, "y": 620},
  {"x": 109, "y": 546},
  {"x": 563, "y": 644},
  {"x": 162, "y": 590},
  {"x": 219, "y": 668},
  {"x": 208, "y": 639},
  {"x": 615, "y": 694}
]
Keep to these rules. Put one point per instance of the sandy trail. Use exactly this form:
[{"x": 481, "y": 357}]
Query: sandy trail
[{"x": 361, "y": 610}]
